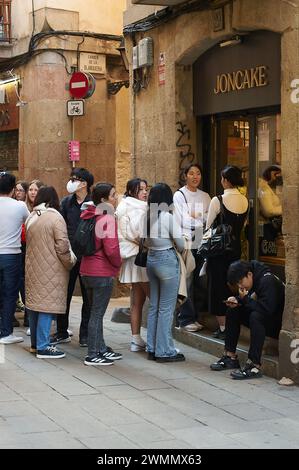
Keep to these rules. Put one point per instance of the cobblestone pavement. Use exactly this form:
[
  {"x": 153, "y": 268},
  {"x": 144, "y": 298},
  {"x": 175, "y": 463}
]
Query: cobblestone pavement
[{"x": 137, "y": 403}]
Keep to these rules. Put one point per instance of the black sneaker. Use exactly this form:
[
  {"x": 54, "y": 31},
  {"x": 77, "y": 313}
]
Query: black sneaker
[
  {"x": 249, "y": 371},
  {"x": 111, "y": 355},
  {"x": 98, "y": 360},
  {"x": 59, "y": 338},
  {"x": 83, "y": 342},
  {"x": 225, "y": 362},
  {"x": 219, "y": 334},
  {"x": 49, "y": 353},
  {"x": 151, "y": 356},
  {"x": 179, "y": 357}
]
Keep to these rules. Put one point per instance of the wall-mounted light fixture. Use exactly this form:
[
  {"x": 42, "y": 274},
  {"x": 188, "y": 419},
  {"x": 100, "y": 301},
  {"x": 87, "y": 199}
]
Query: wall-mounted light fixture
[
  {"x": 114, "y": 87},
  {"x": 122, "y": 51},
  {"x": 231, "y": 42}
]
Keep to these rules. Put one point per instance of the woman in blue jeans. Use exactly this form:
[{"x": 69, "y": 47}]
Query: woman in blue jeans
[{"x": 163, "y": 272}]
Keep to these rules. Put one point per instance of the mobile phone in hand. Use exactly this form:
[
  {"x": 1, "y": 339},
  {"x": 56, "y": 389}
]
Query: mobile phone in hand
[{"x": 231, "y": 303}]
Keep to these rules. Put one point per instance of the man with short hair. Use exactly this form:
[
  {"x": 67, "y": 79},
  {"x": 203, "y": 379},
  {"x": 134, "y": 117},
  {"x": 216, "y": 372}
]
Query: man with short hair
[
  {"x": 78, "y": 186},
  {"x": 12, "y": 215},
  {"x": 259, "y": 305}
]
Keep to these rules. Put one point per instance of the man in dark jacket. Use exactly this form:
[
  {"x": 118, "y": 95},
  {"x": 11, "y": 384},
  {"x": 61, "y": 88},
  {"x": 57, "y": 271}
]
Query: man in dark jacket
[
  {"x": 259, "y": 306},
  {"x": 78, "y": 186}
]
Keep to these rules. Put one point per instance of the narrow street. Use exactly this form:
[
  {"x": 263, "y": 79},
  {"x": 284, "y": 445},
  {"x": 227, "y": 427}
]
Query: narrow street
[{"x": 136, "y": 403}]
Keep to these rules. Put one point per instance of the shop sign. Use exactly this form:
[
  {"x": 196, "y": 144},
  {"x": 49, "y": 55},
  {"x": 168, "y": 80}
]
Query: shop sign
[{"x": 241, "y": 80}]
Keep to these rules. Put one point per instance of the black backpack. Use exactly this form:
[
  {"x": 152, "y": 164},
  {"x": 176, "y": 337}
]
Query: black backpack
[{"x": 85, "y": 240}]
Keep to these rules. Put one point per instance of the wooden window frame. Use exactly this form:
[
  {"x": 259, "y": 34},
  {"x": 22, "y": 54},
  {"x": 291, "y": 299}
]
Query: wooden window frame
[{"x": 5, "y": 12}]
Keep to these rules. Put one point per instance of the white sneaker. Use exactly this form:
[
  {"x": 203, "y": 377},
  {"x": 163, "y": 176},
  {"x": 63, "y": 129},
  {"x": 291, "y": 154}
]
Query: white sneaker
[
  {"x": 70, "y": 332},
  {"x": 11, "y": 339},
  {"x": 134, "y": 347},
  {"x": 192, "y": 327},
  {"x": 28, "y": 332}
]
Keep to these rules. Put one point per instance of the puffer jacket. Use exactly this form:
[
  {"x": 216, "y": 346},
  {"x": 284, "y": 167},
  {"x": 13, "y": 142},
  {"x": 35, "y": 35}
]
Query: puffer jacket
[
  {"x": 49, "y": 259},
  {"x": 130, "y": 214}
]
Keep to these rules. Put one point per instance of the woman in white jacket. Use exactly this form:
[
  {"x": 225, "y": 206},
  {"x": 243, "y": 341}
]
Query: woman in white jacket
[{"x": 130, "y": 214}]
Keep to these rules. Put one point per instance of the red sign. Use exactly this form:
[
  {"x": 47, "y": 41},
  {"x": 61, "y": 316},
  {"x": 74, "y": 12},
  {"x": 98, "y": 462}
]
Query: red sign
[
  {"x": 161, "y": 68},
  {"x": 79, "y": 85},
  {"x": 74, "y": 150}
]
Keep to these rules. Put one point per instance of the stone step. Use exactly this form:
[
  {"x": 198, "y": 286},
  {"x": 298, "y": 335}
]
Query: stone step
[{"x": 203, "y": 341}]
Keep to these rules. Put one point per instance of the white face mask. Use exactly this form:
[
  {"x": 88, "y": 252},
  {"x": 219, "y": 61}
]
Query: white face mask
[{"x": 72, "y": 186}]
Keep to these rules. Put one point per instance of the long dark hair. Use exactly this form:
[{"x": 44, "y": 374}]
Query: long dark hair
[
  {"x": 161, "y": 195},
  {"x": 233, "y": 175},
  {"x": 101, "y": 191},
  {"x": 267, "y": 171},
  {"x": 49, "y": 196},
  {"x": 133, "y": 187}
]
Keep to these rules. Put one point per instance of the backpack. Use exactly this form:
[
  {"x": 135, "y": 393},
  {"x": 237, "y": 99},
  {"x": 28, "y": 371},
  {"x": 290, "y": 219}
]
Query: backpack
[{"x": 84, "y": 239}]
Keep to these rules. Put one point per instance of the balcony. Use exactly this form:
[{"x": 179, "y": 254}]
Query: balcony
[
  {"x": 5, "y": 21},
  {"x": 166, "y": 3}
]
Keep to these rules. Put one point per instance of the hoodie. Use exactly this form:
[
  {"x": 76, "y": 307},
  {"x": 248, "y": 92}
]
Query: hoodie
[
  {"x": 106, "y": 261},
  {"x": 269, "y": 292},
  {"x": 130, "y": 214}
]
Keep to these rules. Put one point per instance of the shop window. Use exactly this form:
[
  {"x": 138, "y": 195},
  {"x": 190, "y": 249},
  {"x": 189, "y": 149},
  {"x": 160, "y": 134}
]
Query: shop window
[
  {"x": 5, "y": 20},
  {"x": 271, "y": 242}
]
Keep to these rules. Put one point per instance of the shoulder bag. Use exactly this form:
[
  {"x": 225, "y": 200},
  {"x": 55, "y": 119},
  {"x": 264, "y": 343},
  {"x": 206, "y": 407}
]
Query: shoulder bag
[
  {"x": 141, "y": 257},
  {"x": 217, "y": 240}
]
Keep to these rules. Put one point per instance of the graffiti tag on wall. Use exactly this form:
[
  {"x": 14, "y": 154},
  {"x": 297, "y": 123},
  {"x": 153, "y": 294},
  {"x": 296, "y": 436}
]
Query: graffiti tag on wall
[{"x": 186, "y": 155}]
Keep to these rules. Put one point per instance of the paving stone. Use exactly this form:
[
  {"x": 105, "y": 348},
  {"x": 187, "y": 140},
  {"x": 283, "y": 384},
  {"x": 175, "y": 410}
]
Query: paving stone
[
  {"x": 111, "y": 440},
  {"x": 32, "y": 424},
  {"x": 263, "y": 440}
]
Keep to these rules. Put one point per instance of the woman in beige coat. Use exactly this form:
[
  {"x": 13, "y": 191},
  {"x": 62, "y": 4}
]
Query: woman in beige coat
[{"x": 49, "y": 259}]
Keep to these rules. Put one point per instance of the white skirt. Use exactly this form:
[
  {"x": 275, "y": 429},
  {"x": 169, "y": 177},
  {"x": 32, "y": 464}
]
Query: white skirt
[{"x": 130, "y": 273}]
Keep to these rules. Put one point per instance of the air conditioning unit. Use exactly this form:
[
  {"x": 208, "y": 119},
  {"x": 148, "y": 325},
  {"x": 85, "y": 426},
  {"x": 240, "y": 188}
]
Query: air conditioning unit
[{"x": 145, "y": 52}]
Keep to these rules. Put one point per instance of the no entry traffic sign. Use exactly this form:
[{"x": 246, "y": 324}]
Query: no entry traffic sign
[{"x": 79, "y": 85}]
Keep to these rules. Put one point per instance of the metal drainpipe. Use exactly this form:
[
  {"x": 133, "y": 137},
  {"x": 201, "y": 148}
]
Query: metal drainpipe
[{"x": 133, "y": 117}]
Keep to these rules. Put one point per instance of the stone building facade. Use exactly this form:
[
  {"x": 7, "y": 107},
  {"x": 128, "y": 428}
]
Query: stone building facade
[
  {"x": 223, "y": 89},
  {"x": 47, "y": 41}
]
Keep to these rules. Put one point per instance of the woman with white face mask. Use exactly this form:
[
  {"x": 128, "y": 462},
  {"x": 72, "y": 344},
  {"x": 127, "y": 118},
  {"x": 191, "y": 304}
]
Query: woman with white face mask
[{"x": 78, "y": 186}]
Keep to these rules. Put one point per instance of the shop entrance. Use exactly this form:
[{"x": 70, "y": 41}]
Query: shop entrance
[{"x": 251, "y": 141}]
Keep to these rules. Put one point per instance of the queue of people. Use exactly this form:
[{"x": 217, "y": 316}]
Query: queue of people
[{"x": 162, "y": 224}]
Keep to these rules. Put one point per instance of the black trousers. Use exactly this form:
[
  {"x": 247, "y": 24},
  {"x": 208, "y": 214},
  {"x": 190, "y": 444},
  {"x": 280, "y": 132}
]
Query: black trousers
[
  {"x": 259, "y": 326},
  {"x": 197, "y": 295},
  {"x": 63, "y": 320}
]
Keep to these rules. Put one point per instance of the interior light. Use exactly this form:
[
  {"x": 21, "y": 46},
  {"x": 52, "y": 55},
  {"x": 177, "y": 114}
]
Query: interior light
[{"x": 231, "y": 42}]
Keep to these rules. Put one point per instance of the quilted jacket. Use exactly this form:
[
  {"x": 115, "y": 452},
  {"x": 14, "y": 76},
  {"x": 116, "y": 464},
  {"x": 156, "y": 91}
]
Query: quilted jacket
[{"x": 49, "y": 259}]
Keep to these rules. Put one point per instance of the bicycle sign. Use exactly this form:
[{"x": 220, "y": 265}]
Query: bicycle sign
[{"x": 75, "y": 108}]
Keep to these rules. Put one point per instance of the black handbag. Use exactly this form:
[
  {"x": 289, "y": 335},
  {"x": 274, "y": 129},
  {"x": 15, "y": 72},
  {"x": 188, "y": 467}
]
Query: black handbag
[
  {"x": 217, "y": 240},
  {"x": 141, "y": 257}
]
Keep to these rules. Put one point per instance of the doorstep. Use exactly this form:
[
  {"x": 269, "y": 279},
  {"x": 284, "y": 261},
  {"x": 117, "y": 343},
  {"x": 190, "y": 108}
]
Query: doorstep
[{"x": 203, "y": 341}]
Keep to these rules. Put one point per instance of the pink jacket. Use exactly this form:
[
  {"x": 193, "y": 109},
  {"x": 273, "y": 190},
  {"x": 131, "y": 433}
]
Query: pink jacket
[{"x": 106, "y": 261}]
